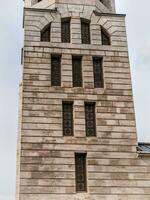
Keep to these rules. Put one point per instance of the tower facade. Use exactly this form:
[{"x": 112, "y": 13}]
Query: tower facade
[{"x": 77, "y": 133}]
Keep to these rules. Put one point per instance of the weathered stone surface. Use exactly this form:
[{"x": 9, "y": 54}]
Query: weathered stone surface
[{"x": 46, "y": 164}]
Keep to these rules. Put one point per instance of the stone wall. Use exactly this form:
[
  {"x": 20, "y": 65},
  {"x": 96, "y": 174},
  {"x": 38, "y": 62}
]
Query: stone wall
[{"x": 47, "y": 164}]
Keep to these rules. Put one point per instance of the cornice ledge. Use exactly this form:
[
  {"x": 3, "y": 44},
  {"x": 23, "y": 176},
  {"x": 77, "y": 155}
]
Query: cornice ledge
[
  {"x": 143, "y": 154},
  {"x": 40, "y": 9},
  {"x": 109, "y": 14}
]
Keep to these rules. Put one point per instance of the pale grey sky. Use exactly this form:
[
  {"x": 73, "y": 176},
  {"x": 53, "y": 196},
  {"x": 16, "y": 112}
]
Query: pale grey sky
[{"x": 11, "y": 37}]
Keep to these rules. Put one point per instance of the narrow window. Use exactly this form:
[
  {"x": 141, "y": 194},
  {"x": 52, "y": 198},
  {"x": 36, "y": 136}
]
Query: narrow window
[
  {"x": 77, "y": 71},
  {"x": 105, "y": 37},
  {"x": 98, "y": 72},
  {"x": 67, "y": 118},
  {"x": 80, "y": 166},
  {"x": 90, "y": 119},
  {"x": 55, "y": 70},
  {"x": 45, "y": 34},
  {"x": 85, "y": 31},
  {"x": 65, "y": 30}
]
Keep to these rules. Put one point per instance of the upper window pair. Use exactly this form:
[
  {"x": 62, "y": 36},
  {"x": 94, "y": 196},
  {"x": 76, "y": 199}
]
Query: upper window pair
[
  {"x": 97, "y": 72},
  {"x": 65, "y": 31},
  {"x": 90, "y": 119},
  {"x": 85, "y": 33}
]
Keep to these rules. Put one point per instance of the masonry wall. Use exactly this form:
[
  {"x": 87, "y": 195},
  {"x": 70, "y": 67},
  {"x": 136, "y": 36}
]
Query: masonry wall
[{"x": 47, "y": 164}]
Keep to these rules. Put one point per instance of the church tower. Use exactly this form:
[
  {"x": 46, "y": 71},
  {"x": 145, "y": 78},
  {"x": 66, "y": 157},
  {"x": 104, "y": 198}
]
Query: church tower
[{"x": 77, "y": 133}]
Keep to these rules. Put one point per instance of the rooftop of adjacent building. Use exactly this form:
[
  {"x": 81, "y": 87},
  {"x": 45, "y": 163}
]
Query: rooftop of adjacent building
[{"x": 143, "y": 148}]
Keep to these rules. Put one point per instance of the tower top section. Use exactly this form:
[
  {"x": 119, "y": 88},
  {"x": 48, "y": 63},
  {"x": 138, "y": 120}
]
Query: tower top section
[{"x": 103, "y": 6}]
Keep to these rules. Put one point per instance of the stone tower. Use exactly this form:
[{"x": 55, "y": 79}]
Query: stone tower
[{"x": 77, "y": 134}]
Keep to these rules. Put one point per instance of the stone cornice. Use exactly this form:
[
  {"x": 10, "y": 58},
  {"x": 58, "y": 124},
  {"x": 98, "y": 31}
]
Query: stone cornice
[
  {"x": 143, "y": 154},
  {"x": 40, "y": 10},
  {"x": 109, "y": 14}
]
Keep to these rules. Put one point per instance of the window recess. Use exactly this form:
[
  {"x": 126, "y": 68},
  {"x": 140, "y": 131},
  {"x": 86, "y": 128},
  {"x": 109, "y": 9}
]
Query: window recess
[
  {"x": 105, "y": 37},
  {"x": 45, "y": 33},
  {"x": 85, "y": 31},
  {"x": 90, "y": 121},
  {"x": 77, "y": 71},
  {"x": 65, "y": 30},
  {"x": 55, "y": 70},
  {"x": 98, "y": 72},
  {"x": 67, "y": 118},
  {"x": 80, "y": 172}
]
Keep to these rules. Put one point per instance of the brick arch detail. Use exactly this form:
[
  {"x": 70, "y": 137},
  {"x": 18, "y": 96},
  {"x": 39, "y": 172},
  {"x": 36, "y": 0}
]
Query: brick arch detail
[
  {"x": 105, "y": 23},
  {"x": 45, "y": 20}
]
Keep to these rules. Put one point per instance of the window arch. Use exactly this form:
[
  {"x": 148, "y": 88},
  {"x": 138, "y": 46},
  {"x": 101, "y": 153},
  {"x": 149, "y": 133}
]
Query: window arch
[
  {"x": 105, "y": 37},
  {"x": 45, "y": 33}
]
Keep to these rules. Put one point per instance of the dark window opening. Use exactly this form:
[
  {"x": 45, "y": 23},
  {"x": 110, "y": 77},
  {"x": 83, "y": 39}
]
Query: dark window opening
[
  {"x": 45, "y": 34},
  {"x": 56, "y": 70},
  {"x": 67, "y": 118},
  {"x": 65, "y": 30},
  {"x": 77, "y": 71},
  {"x": 90, "y": 122},
  {"x": 98, "y": 72},
  {"x": 80, "y": 167},
  {"x": 102, "y": 1},
  {"x": 85, "y": 31},
  {"x": 105, "y": 37}
]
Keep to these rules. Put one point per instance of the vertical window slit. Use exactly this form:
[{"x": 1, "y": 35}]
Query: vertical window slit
[
  {"x": 85, "y": 31},
  {"x": 68, "y": 118},
  {"x": 65, "y": 30},
  {"x": 90, "y": 121},
  {"x": 98, "y": 72},
  {"x": 80, "y": 167},
  {"x": 77, "y": 71},
  {"x": 55, "y": 70}
]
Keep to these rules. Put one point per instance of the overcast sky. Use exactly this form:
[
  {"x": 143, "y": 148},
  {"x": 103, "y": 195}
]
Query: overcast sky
[{"x": 11, "y": 33}]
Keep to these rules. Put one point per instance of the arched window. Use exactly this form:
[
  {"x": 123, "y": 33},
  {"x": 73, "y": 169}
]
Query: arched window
[
  {"x": 45, "y": 33},
  {"x": 85, "y": 31},
  {"x": 105, "y": 37},
  {"x": 65, "y": 30}
]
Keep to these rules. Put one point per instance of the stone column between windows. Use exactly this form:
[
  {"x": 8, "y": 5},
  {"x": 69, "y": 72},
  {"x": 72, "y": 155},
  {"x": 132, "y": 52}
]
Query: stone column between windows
[
  {"x": 95, "y": 34},
  {"x": 66, "y": 70},
  {"x": 79, "y": 119},
  {"x": 56, "y": 31},
  {"x": 75, "y": 30},
  {"x": 87, "y": 72}
]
